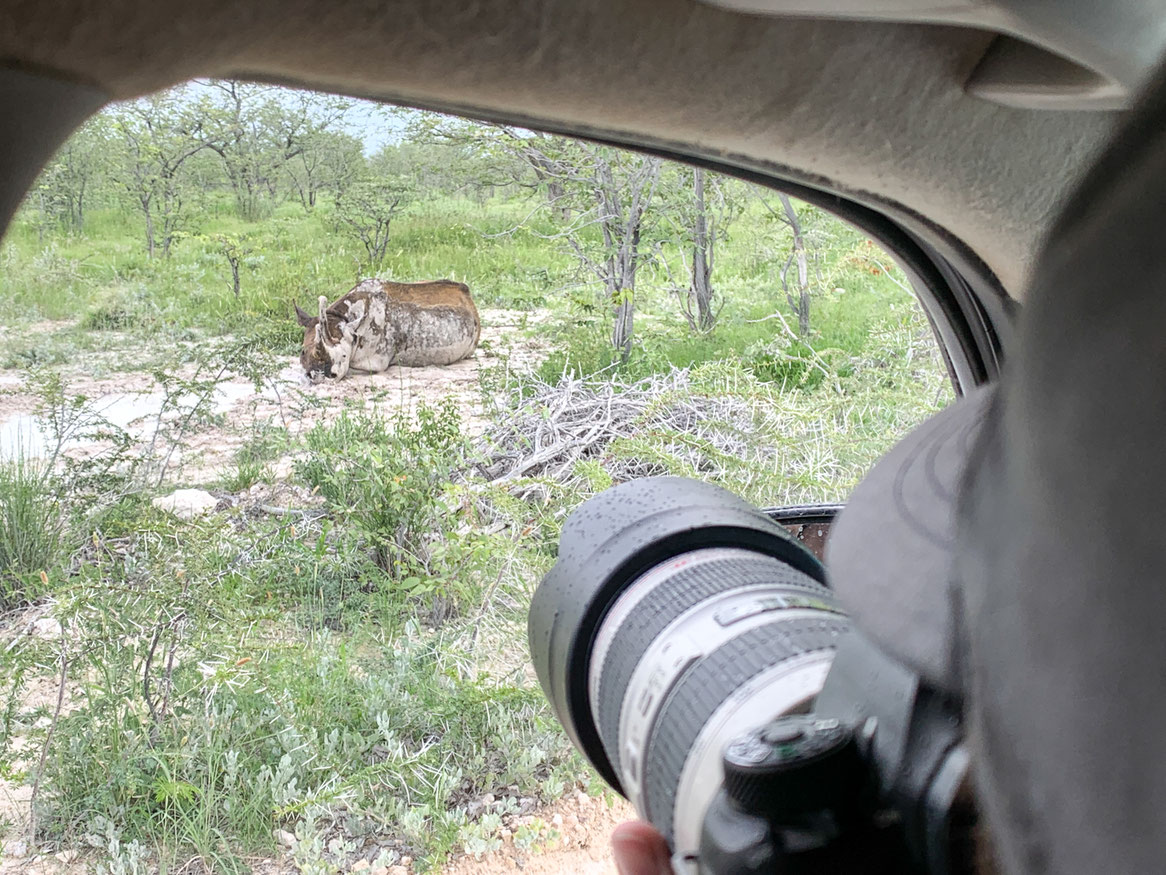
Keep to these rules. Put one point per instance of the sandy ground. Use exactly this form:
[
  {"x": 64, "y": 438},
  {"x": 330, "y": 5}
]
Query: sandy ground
[
  {"x": 132, "y": 400},
  {"x": 570, "y": 836},
  {"x": 576, "y": 840},
  {"x": 583, "y": 847}
]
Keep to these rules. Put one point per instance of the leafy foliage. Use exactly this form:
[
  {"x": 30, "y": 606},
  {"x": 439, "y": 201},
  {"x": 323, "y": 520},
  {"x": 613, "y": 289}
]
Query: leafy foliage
[{"x": 390, "y": 480}]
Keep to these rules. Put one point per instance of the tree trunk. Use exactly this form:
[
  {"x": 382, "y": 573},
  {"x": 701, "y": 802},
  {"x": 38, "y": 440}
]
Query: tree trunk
[
  {"x": 79, "y": 217},
  {"x": 802, "y": 307},
  {"x": 621, "y": 332},
  {"x": 149, "y": 230},
  {"x": 701, "y": 289}
]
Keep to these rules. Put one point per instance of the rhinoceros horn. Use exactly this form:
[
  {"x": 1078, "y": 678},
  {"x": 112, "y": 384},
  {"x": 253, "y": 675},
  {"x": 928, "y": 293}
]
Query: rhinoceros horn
[{"x": 322, "y": 325}]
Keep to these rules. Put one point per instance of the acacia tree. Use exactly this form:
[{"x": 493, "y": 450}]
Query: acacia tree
[
  {"x": 494, "y": 156},
  {"x": 798, "y": 254},
  {"x": 159, "y": 134},
  {"x": 622, "y": 187},
  {"x": 234, "y": 249},
  {"x": 602, "y": 197},
  {"x": 607, "y": 195},
  {"x": 257, "y": 131},
  {"x": 701, "y": 207},
  {"x": 65, "y": 186},
  {"x": 328, "y": 161},
  {"x": 367, "y": 209}
]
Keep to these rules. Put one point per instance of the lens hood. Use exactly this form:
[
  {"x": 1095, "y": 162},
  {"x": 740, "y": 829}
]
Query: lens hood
[{"x": 607, "y": 543}]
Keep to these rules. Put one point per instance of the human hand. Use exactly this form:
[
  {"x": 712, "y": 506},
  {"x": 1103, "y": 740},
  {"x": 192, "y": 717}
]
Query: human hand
[{"x": 640, "y": 850}]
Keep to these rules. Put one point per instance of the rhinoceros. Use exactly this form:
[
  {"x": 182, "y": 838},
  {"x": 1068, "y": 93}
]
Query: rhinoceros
[{"x": 379, "y": 323}]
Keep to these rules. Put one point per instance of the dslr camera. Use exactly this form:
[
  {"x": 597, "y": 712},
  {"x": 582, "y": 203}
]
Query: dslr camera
[{"x": 691, "y": 648}]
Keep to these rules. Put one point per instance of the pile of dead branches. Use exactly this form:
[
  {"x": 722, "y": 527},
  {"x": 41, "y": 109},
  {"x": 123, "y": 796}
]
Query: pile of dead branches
[{"x": 657, "y": 425}]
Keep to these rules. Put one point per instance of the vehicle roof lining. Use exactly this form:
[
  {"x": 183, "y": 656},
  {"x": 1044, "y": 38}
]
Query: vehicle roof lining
[{"x": 876, "y": 110}]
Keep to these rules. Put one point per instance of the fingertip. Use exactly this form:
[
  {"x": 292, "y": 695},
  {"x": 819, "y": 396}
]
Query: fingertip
[{"x": 640, "y": 850}]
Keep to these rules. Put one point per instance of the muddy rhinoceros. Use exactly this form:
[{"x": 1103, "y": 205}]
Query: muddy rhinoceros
[{"x": 380, "y": 323}]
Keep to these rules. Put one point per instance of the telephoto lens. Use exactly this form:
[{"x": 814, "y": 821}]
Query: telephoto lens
[{"x": 676, "y": 618}]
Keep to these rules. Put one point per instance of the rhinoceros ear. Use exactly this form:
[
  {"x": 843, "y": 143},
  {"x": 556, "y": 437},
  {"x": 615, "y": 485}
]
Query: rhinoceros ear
[
  {"x": 303, "y": 318},
  {"x": 322, "y": 327}
]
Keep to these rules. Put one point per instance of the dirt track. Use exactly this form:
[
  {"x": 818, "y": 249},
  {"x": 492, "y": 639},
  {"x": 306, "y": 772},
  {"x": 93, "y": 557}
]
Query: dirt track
[{"x": 584, "y": 848}]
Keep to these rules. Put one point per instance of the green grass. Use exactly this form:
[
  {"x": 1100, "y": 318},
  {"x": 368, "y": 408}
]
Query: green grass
[
  {"x": 104, "y": 280},
  {"x": 360, "y": 722},
  {"x": 31, "y": 528}
]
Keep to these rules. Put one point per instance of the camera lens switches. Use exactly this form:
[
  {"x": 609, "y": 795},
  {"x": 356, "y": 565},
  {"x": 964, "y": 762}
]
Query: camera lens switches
[
  {"x": 793, "y": 766},
  {"x": 782, "y": 733}
]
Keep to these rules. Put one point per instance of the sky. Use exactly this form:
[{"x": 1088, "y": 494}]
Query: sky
[
  {"x": 368, "y": 120},
  {"x": 373, "y": 126}
]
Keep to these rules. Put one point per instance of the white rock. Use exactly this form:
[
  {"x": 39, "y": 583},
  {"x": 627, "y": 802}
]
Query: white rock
[
  {"x": 285, "y": 838},
  {"x": 186, "y": 504},
  {"x": 15, "y": 849},
  {"x": 45, "y": 627}
]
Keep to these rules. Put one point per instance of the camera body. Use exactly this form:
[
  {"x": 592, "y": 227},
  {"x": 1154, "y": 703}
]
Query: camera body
[{"x": 692, "y": 651}]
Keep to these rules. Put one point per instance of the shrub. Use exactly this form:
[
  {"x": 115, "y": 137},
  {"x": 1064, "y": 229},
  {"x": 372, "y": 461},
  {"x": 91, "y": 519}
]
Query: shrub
[
  {"x": 112, "y": 316},
  {"x": 388, "y": 479}
]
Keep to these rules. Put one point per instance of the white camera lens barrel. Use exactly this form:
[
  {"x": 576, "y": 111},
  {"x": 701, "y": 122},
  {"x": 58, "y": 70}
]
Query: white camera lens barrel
[{"x": 677, "y": 617}]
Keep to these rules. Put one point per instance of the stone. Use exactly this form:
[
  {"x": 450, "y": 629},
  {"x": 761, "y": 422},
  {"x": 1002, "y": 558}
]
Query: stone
[
  {"x": 46, "y": 628},
  {"x": 186, "y": 504},
  {"x": 17, "y": 850},
  {"x": 285, "y": 838},
  {"x": 359, "y": 866}
]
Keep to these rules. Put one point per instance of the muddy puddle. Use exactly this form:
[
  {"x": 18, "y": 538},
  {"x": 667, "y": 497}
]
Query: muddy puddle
[{"x": 138, "y": 413}]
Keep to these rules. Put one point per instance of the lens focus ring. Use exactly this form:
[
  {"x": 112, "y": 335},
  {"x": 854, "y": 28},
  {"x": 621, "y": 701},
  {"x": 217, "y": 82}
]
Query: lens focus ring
[
  {"x": 683, "y": 583},
  {"x": 692, "y": 649},
  {"x": 702, "y": 690}
]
